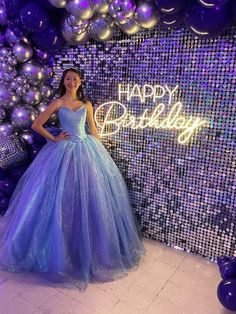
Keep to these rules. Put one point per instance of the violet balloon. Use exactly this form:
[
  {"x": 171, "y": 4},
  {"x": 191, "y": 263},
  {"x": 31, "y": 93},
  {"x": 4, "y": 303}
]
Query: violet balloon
[
  {"x": 34, "y": 17},
  {"x": 228, "y": 269},
  {"x": 212, "y": 3},
  {"x": 226, "y": 293},
  {"x": 13, "y": 7},
  {"x": 170, "y": 6},
  {"x": 49, "y": 40},
  {"x": 207, "y": 22},
  {"x": 171, "y": 20},
  {"x": 7, "y": 185}
]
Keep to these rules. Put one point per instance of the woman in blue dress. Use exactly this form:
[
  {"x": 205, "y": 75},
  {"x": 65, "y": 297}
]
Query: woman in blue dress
[{"x": 69, "y": 217}]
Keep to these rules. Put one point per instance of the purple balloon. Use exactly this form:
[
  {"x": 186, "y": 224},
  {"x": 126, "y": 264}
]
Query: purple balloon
[
  {"x": 226, "y": 293},
  {"x": 49, "y": 39},
  {"x": 2, "y": 173},
  {"x": 170, "y": 6},
  {"x": 171, "y": 20},
  {"x": 13, "y": 7},
  {"x": 33, "y": 17},
  {"x": 207, "y": 22},
  {"x": 222, "y": 259},
  {"x": 228, "y": 269},
  {"x": 212, "y": 3}
]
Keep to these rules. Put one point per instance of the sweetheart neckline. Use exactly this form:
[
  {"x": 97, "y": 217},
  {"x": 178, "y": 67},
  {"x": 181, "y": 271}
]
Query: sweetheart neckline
[{"x": 72, "y": 109}]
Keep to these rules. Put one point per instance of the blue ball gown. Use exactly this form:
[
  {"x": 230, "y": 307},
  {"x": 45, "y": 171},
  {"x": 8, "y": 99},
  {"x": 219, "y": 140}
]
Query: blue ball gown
[{"x": 69, "y": 218}]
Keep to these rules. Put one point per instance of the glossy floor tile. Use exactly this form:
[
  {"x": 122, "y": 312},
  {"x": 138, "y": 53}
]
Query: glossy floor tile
[{"x": 167, "y": 281}]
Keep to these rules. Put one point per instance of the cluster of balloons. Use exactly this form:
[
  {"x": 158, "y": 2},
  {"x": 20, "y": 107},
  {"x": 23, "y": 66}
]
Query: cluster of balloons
[
  {"x": 226, "y": 290},
  {"x": 25, "y": 91},
  {"x": 52, "y": 23}
]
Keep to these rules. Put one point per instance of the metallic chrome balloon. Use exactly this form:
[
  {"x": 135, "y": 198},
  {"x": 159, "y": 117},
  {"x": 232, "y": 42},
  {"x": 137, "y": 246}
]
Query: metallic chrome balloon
[
  {"x": 121, "y": 11},
  {"x": 23, "y": 116},
  {"x": 27, "y": 135},
  {"x": 11, "y": 60},
  {"x": 33, "y": 96},
  {"x": 2, "y": 113},
  {"x": 131, "y": 27},
  {"x": 58, "y": 3},
  {"x": 101, "y": 6},
  {"x": 13, "y": 85},
  {"x": 100, "y": 28},
  {"x": 146, "y": 15},
  {"x": 5, "y": 52},
  {"x": 21, "y": 80},
  {"x": 41, "y": 107},
  {"x": 71, "y": 37},
  {"x": 22, "y": 51},
  {"x": 5, "y": 95},
  {"x": 81, "y": 8},
  {"x": 6, "y": 68},
  {"x": 6, "y": 129},
  {"x": 8, "y": 77},
  {"x": 47, "y": 72},
  {"x": 33, "y": 72},
  {"x": 46, "y": 91},
  {"x": 14, "y": 101},
  {"x": 22, "y": 90},
  {"x": 10, "y": 37}
]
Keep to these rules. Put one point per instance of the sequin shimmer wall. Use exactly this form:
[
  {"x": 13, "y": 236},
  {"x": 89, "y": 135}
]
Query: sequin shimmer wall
[{"x": 183, "y": 195}]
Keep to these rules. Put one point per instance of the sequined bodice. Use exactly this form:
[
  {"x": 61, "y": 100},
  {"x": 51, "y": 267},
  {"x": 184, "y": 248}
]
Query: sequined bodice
[{"x": 73, "y": 122}]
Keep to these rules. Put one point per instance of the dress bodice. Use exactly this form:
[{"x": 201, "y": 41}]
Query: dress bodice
[{"x": 73, "y": 122}]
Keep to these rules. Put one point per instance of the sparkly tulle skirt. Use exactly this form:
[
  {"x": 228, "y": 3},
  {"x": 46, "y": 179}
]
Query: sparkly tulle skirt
[{"x": 69, "y": 218}]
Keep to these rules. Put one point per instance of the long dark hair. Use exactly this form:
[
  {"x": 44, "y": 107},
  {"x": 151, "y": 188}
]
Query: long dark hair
[{"x": 62, "y": 89}]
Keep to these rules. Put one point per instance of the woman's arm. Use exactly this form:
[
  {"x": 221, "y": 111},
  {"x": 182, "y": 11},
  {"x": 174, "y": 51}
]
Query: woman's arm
[
  {"x": 92, "y": 127},
  {"x": 38, "y": 123}
]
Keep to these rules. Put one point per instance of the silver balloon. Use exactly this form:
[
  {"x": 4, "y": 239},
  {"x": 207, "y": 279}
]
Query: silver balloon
[
  {"x": 13, "y": 85},
  {"x": 101, "y": 28},
  {"x": 23, "y": 116},
  {"x": 81, "y": 8},
  {"x": 131, "y": 27},
  {"x": 33, "y": 96},
  {"x": 46, "y": 91},
  {"x": 12, "y": 60},
  {"x": 8, "y": 77},
  {"x": 5, "y": 52},
  {"x": 71, "y": 37},
  {"x": 3, "y": 16},
  {"x": 22, "y": 90},
  {"x": 6, "y": 129},
  {"x": 146, "y": 15},
  {"x": 21, "y": 80},
  {"x": 14, "y": 101},
  {"x": 33, "y": 72},
  {"x": 22, "y": 51},
  {"x": 101, "y": 6},
  {"x": 6, "y": 68},
  {"x": 2, "y": 113},
  {"x": 122, "y": 11},
  {"x": 27, "y": 135},
  {"x": 5, "y": 95},
  {"x": 47, "y": 72},
  {"x": 10, "y": 37},
  {"x": 41, "y": 107},
  {"x": 58, "y": 3}
]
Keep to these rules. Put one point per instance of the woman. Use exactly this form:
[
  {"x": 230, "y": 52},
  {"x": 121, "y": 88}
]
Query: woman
[{"x": 69, "y": 216}]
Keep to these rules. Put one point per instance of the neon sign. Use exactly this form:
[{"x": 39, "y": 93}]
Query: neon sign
[{"x": 158, "y": 118}]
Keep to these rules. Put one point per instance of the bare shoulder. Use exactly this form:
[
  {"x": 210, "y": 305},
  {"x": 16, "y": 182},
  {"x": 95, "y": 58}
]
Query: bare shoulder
[
  {"x": 55, "y": 104},
  {"x": 88, "y": 105}
]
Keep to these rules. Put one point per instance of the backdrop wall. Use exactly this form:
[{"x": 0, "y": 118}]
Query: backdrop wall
[{"x": 182, "y": 194}]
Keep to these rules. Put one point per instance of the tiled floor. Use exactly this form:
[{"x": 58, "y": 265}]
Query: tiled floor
[{"x": 167, "y": 281}]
